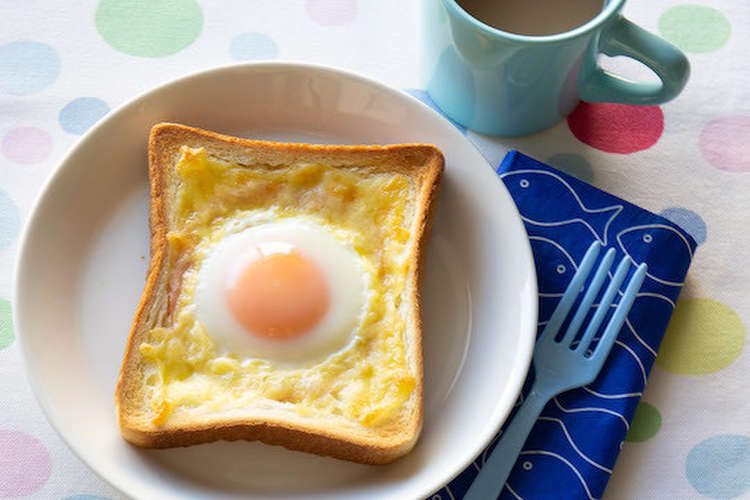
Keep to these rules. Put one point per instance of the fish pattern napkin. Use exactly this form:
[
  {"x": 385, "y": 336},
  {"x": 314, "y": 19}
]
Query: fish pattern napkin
[{"x": 573, "y": 446}]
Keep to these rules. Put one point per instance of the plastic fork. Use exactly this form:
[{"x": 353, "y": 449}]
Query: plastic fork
[{"x": 564, "y": 364}]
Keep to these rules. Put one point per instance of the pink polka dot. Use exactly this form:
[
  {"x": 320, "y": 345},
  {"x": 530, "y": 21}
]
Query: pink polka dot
[
  {"x": 332, "y": 12},
  {"x": 616, "y": 128},
  {"x": 24, "y": 464},
  {"x": 27, "y": 145},
  {"x": 725, "y": 143}
]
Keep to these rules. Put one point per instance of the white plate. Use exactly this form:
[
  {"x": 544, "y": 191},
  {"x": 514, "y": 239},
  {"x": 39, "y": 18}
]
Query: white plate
[{"x": 84, "y": 254}]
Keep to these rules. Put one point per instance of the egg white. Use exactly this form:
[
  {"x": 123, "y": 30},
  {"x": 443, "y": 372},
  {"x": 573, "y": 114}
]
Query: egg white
[{"x": 341, "y": 266}]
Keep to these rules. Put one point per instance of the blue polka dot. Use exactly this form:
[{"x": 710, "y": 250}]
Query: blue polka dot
[
  {"x": 423, "y": 96},
  {"x": 719, "y": 467},
  {"x": 27, "y": 67},
  {"x": 84, "y": 496},
  {"x": 687, "y": 220},
  {"x": 9, "y": 221},
  {"x": 248, "y": 46},
  {"x": 573, "y": 164},
  {"x": 80, "y": 114}
]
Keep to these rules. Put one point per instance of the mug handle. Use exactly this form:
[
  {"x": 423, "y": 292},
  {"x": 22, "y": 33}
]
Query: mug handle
[{"x": 624, "y": 38}]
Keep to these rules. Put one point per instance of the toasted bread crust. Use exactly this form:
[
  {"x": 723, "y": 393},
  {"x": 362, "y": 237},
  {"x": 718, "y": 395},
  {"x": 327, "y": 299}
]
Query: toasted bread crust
[{"x": 423, "y": 162}]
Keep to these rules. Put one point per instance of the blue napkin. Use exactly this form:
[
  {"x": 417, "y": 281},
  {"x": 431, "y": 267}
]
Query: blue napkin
[{"x": 572, "y": 449}]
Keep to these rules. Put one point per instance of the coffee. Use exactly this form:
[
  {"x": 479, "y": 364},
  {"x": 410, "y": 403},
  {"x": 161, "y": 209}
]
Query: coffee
[{"x": 533, "y": 17}]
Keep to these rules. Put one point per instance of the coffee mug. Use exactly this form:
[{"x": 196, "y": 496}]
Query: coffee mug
[{"x": 506, "y": 84}]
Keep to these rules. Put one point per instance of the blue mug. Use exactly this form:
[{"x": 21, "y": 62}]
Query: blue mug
[{"x": 505, "y": 84}]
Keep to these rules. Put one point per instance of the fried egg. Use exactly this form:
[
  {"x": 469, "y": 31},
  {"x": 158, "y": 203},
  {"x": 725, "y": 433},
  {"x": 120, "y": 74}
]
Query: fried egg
[{"x": 287, "y": 291}]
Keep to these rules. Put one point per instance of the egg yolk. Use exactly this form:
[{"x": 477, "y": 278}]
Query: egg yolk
[{"x": 278, "y": 296}]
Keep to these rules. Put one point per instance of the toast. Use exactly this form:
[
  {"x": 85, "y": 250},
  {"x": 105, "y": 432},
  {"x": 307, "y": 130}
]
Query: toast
[{"x": 222, "y": 404}]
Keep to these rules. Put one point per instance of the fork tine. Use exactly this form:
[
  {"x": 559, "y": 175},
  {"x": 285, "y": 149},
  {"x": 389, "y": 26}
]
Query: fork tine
[
  {"x": 571, "y": 292},
  {"x": 588, "y": 298},
  {"x": 605, "y": 303},
  {"x": 621, "y": 311}
]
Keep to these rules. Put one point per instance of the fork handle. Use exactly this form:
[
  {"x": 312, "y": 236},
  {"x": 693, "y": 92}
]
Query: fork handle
[{"x": 491, "y": 479}]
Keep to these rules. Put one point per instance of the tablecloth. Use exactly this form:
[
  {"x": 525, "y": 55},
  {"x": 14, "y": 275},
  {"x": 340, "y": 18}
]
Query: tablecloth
[{"x": 65, "y": 65}]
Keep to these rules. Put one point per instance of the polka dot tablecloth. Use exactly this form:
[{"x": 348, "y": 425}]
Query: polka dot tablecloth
[{"x": 63, "y": 66}]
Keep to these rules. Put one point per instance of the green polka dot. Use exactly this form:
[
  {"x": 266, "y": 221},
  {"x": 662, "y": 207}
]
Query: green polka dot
[
  {"x": 6, "y": 325},
  {"x": 149, "y": 28},
  {"x": 646, "y": 423},
  {"x": 695, "y": 28},
  {"x": 703, "y": 336}
]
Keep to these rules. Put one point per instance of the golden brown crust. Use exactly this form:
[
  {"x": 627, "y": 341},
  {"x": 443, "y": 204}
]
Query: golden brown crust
[
  {"x": 421, "y": 161},
  {"x": 286, "y": 435}
]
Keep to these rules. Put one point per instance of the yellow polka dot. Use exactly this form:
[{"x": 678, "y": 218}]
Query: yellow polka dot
[{"x": 703, "y": 336}]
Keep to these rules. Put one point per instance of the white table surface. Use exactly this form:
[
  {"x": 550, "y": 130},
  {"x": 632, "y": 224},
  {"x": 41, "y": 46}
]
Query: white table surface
[{"x": 692, "y": 435}]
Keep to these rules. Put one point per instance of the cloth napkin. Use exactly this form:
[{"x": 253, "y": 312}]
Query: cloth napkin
[{"x": 573, "y": 446}]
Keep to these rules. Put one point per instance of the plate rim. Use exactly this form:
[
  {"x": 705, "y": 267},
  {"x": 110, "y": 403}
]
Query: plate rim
[{"x": 524, "y": 352}]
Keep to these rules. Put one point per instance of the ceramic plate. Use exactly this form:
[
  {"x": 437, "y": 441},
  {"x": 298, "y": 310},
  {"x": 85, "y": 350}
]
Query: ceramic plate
[{"x": 84, "y": 255}]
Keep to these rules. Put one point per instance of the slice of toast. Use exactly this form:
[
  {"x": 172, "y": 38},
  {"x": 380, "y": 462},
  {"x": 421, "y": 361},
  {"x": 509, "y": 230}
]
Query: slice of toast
[{"x": 148, "y": 418}]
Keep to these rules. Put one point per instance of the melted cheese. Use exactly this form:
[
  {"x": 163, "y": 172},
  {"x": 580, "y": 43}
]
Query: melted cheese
[{"x": 368, "y": 381}]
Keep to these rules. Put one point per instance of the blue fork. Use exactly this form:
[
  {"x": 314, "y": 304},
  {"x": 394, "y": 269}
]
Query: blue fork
[{"x": 563, "y": 365}]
